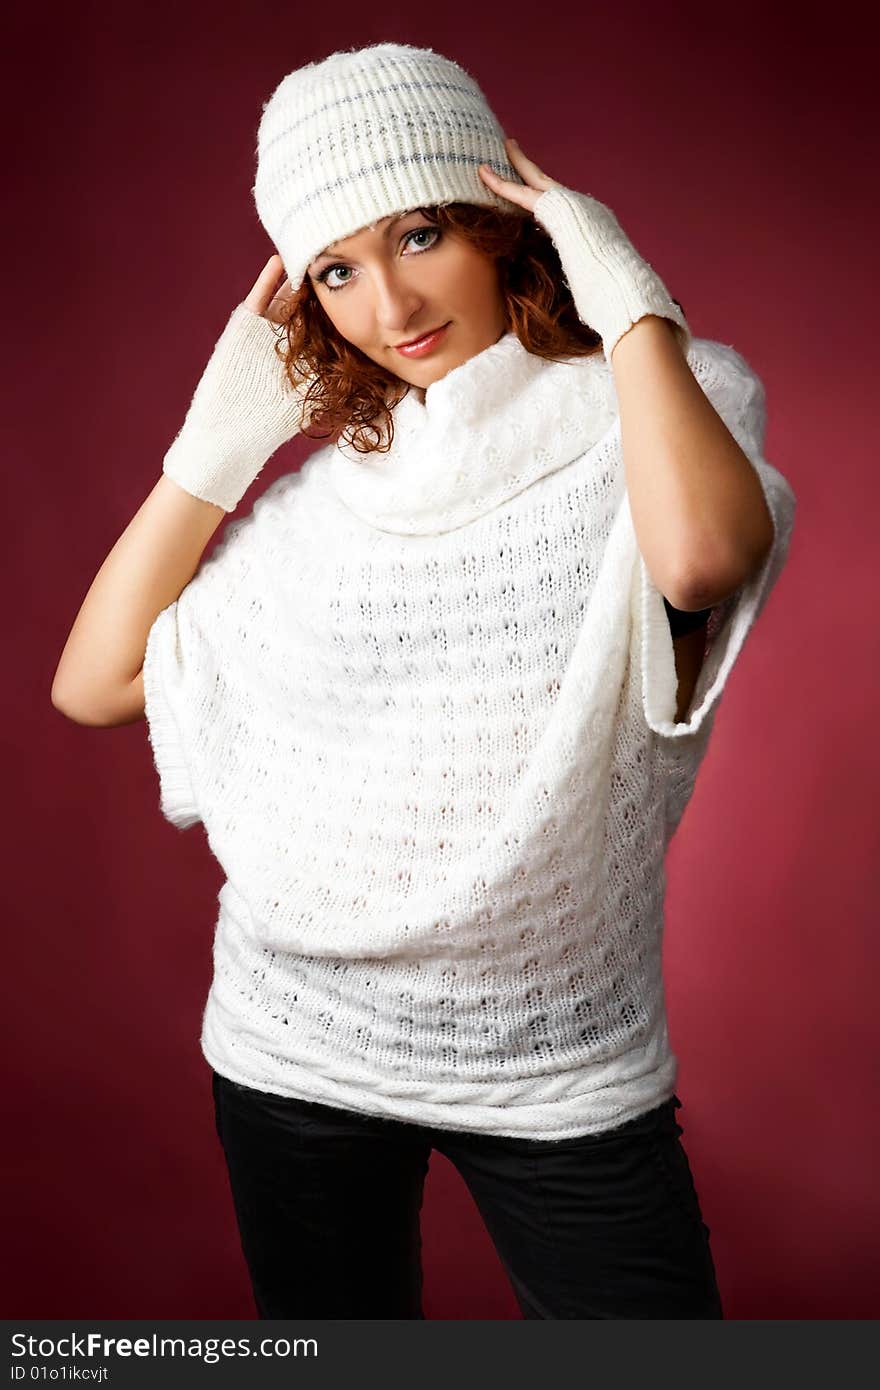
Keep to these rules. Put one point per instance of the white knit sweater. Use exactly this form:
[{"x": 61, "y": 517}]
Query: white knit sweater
[{"x": 423, "y": 704}]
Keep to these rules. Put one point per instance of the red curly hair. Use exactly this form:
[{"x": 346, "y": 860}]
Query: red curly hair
[{"x": 351, "y": 395}]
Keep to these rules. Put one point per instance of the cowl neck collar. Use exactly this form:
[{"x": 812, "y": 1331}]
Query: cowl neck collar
[{"x": 484, "y": 432}]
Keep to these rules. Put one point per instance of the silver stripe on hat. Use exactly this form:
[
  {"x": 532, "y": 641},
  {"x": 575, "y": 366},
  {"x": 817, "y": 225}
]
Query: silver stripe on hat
[
  {"x": 358, "y": 97},
  {"x": 441, "y": 157}
]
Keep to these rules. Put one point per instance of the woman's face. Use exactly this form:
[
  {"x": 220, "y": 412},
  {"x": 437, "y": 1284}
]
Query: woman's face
[{"x": 401, "y": 277}]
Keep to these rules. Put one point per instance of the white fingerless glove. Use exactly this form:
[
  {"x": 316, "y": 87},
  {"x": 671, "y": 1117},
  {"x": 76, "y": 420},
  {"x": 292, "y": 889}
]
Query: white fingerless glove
[
  {"x": 611, "y": 285},
  {"x": 243, "y": 409}
]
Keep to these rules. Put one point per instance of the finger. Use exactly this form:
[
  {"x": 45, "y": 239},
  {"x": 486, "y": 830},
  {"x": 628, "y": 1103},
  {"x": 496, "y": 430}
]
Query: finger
[
  {"x": 519, "y": 159},
  {"x": 496, "y": 177},
  {"x": 265, "y": 287},
  {"x": 506, "y": 188},
  {"x": 273, "y": 270},
  {"x": 266, "y": 278}
]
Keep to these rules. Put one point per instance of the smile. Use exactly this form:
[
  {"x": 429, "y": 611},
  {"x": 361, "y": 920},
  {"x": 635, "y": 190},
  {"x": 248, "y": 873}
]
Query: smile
[{"x": 421, "y": 346}]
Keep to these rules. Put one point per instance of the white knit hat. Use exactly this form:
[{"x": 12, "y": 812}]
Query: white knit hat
[{"x": 366, "y": 133}]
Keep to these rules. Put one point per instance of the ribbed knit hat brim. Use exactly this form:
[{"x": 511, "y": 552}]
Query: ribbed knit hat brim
[{"x": 365, "y": 134}]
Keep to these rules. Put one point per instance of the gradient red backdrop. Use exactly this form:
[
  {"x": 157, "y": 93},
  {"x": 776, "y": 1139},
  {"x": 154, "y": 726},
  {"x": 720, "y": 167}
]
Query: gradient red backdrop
[{"x": 736, "y": 151}]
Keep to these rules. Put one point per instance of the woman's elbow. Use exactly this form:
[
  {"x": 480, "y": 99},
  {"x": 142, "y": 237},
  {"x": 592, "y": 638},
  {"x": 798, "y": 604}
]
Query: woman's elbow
[{"x": 104, "y": 711}]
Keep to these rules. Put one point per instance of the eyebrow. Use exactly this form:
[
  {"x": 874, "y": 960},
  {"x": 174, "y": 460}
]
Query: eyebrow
[{"x": 330, "y": 253}]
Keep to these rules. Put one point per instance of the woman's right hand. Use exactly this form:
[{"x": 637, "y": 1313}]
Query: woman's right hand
[
  {"x": 244, "y": 407},
  {"x": 269, "y": 298}
]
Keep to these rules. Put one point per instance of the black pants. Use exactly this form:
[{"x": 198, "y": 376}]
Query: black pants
[{"x": 327, "y": 1203}]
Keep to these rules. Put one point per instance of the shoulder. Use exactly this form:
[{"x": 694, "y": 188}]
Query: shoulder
[
  {"x": 248, "y": 543},
  {"x": 722, "y": 369},
  {"x": 721, "y": 362},
  {"x": 737, "y": 393},
  {"x": 734, "y": 388},
  {"x": 276, "y": 506}
]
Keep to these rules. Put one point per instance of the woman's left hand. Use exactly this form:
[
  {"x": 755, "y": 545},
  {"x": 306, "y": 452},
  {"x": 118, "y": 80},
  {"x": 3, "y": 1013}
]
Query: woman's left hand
[
  {"x": 535, "y": 180},
  {"x": 611, "y": 284}
]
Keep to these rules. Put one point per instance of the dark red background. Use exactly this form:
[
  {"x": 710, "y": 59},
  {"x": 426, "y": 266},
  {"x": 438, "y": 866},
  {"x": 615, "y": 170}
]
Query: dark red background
[{"x": 736, "y": 151}]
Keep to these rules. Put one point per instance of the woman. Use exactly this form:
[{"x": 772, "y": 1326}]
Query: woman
[{"x": 427, "y": 702}]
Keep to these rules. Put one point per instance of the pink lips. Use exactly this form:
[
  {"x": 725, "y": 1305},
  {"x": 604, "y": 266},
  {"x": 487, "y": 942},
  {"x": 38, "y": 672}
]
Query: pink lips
[{"x": 423, "y": 345}]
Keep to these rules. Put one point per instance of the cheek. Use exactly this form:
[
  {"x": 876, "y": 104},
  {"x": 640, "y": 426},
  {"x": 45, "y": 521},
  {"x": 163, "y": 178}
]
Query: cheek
[
  {"x": 343, "y": 313},
  {"x": 476, "y": 278}
]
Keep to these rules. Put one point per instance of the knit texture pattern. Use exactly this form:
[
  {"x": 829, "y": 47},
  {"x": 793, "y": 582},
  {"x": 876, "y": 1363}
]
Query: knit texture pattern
[
  {"x": 423, "y": 704},
  {"x": 612, "y": 285},
  {"x": 366, "y": 133}
]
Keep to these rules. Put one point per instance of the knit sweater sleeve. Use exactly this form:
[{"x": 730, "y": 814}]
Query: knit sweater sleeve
[
  {"x": 189, "y": 648},
  {"x": 737, "y": 393}
]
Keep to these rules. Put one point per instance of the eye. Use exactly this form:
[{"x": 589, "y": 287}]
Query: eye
[
  {"x": 431, "y": 232},
  {"x": 424, "y": 231},
  {"x": 328, "y": 271}
]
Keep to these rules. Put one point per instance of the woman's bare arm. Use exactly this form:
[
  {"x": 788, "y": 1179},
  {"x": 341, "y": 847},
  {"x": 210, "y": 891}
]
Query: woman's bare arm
[{"x": 99, "y": 678}]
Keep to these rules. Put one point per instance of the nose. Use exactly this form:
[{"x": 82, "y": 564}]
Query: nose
[{"x": 396, "y": 302}]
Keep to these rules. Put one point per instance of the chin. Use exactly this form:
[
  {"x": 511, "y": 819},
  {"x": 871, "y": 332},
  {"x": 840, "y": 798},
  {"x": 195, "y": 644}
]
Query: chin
[{"x": 464, "y": 344}]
